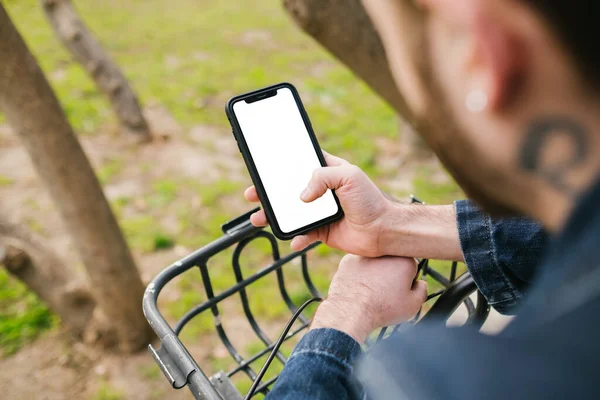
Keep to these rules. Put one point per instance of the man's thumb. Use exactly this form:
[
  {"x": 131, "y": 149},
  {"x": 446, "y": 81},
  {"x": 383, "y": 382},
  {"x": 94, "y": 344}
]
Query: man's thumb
[{"x": 326, "y": 178}]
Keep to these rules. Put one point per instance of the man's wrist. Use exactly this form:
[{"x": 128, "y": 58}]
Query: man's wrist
[
  {"x": 349, "y": 317},
  {"x": 413, "y": 230}
]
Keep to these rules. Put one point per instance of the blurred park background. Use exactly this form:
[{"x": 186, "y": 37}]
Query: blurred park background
[{"x": 183, "y": 59}]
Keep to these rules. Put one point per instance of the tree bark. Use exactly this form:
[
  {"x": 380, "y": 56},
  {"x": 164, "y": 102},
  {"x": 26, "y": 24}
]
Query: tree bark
[
  {"x": 33, "y": 111},
  {"x": 43, "y": 272},
  {"x": 108, "y": 77},
  {"x": 344, "y": 29}
]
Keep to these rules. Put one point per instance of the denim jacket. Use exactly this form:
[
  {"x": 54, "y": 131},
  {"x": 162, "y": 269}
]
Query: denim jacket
[
  {"x": 501, "y": 255},
  {"x": 550, "y": 350}
]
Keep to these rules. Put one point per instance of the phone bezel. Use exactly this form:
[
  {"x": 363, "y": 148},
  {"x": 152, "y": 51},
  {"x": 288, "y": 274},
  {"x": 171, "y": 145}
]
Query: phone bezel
[{"x": 258, "y": 95}]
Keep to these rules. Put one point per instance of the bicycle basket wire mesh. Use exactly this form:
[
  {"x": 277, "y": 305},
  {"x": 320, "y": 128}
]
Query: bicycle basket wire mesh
[{"x": 243, "y": 343}]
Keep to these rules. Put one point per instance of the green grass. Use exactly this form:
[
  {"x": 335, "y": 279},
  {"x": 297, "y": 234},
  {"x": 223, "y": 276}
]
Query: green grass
[
  {"x": 109, "y": 171},
  {"x": 162, "y": 242},
  {"x": 118, "y": 205},
  {"x": 35, "y": 225},
  {"x": 5, "y": 180},
  {"x": 107, "y": 392},
  {"x": 197, "y": 230},
  {"x": 144, "y": 235},
  {"x": 255, "y": 347},
  {"x": 150, "y": 372},
  {"x": 444, "y": 268},
  {"x": 212, "y": 193},
  {"x": 164, "y": 191},
  {"x": 23, "y": 315},
  {"x": 190, "y": 296},
  {"x": 434, "y": 192}
]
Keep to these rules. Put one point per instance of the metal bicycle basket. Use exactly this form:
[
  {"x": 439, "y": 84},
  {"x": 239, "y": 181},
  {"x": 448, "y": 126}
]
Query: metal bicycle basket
[{"x": 229, "y": 379}]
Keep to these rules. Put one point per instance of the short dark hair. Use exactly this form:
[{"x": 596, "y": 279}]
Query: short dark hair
[{"x": 577, "y": 25}]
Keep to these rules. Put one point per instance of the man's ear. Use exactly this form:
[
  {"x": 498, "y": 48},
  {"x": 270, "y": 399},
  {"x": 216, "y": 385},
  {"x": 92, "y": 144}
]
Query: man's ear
[{"x": 498, "y": 60}]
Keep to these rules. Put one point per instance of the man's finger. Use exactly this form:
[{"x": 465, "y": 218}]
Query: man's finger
[
  {"x": 420, "y": 291},
  {"x": 251, "y": 195},
  {"x": 326, "y": 178},
  {"x": 259, "y": 218},
  {"x": 303, "y": 241},
  {"x": 333, "y": 161}
]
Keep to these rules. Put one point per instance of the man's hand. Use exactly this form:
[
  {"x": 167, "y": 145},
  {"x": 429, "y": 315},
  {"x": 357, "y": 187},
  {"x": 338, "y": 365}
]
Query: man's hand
[
  {"x": 365, "y": 208},
  {"x": 368, "y": 293},
  {"x": 373, "y": 225}
]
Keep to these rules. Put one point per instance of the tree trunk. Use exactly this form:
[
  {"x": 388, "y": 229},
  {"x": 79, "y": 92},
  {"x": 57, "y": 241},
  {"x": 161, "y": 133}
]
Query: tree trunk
[
  {"x": 43, "y": 272},
  {"x": 108, "y": 77},
  {"x": 32, "y": 109},
  {"x": 346, "y": 31}
]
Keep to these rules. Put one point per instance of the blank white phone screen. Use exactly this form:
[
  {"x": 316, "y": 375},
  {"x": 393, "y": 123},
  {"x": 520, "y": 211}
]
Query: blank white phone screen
[{"x": 284, "y": 157}]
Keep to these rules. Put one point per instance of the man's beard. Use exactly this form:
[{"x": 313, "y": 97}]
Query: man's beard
[{"x": 442, "y": 132}]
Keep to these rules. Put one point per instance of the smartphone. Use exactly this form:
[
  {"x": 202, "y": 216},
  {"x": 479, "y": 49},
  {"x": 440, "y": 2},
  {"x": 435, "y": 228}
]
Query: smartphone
[{"x": 280, "y": 149}]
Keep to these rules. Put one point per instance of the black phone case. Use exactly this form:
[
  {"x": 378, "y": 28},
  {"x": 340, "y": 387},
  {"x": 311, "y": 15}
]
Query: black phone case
[{"x": 243, "y": 147}]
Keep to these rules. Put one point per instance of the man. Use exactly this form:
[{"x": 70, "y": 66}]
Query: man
[{"x": 507, "y": 93}]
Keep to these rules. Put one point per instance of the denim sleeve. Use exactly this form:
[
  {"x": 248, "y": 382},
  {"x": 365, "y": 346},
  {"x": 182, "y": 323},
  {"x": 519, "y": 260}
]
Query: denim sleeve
[
  {"x": 501, "y": 255},
  {"x": 320, "y": 367}
]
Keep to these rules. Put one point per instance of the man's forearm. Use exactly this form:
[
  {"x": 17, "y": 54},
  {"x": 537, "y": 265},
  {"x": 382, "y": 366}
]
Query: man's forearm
[{"x": 421, "y": 232}]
